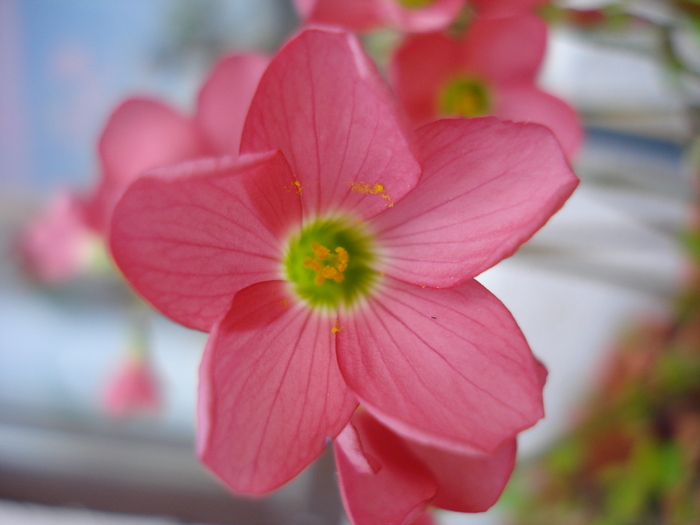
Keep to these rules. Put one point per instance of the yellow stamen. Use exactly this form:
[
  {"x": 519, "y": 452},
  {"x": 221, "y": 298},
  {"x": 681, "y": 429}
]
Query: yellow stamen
[
  {"x": 321, "y": 252},
  {"x": 334, "y": 264},
  {"x": 329, "y": 272},
  {"x": 465, "y": 97},
  {"x": 313, "y": 264},
  {"x": 336, "y": 327}
]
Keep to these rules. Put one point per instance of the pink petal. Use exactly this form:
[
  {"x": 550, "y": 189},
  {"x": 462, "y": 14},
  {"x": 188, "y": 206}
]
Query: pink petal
[
  {"x": 273, "y": 393},
  {"x": 354, "y": 452},
  {"x": 358, "y": 15},
  {"x": 419, "y": 69},
  {"x": 487, "y": 187},
  {"x": 397, "y": 492},
  {"x": 141, "y": 134},
  {"x": 190, "y": 236},
  {"x": 529, "y": 104},
  {"x": 497, "y": 8},
  {"x": 468, "y": 482},
  {"x": 224, "y": 101},
  {"x": 506, "y": 51},
  {"x": 446, "y": 368},
  {"x": 323, "y": 104},
  {"x": 438, "y": 15}
]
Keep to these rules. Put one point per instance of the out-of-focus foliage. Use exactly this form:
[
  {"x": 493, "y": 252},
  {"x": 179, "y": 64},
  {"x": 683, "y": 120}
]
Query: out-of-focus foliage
[{"x": 634, "y": 456}]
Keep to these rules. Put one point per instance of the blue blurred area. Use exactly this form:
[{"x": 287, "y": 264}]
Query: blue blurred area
[
  {"x": 67, "y": 64},
  {"x": 79, "y": 58}
]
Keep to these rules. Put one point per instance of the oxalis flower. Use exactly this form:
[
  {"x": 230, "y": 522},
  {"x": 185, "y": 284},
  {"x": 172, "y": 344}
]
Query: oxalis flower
[
  {"x": 491, "y": 70},
  {"x": 333, "y": 264}
]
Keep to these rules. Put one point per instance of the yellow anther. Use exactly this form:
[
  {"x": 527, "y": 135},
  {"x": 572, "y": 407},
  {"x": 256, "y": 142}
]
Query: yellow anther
[
  {"x": 313, "y": 264},
  {"x": 321, "y": 252},
  {"x": 343, "y": 258},
  {"x": 336, "y": 327},
  {"x": 329, "y": 272},
  {"x": 334, "y": 264}
]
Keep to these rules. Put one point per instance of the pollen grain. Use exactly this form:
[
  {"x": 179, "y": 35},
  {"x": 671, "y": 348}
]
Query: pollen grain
[{"x": 376, "y": 189}]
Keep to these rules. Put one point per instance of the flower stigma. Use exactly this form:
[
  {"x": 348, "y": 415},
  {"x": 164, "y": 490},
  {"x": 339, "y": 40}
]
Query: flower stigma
[
  {"x": 330, "y": 263},
  {"x": 464, "y": 96}
]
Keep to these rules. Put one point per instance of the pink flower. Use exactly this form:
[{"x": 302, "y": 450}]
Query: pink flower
[
  {"x": 364, "y": 15},
  {"x": 132, "y": 389},
  {"x": 387, "y": 479},
  {"x": 333, "y": 263},
  {"x": 55, "y": 246},
  {"x": 142, "y": 133},
  {"x": 491, "y": 71}
]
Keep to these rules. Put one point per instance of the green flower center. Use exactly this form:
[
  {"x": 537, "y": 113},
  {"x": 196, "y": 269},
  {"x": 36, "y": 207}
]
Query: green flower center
[
  {"x": 464, "y": 96},
  {"x": 415, "y": 4},
  {"x": 330, "y": 263}
]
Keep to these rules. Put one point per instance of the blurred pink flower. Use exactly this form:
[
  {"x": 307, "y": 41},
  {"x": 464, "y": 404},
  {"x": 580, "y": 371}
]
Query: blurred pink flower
[
  {"x": 385, "y": 478},
  {"x": 143, "y": 133},
  {"x": 333, "y": 262},
  {"x": 491, "y": 71},
  {"x": 365, "y": 15},
  {"x": 132, "y": 389},
  {"x": 140, "y": 134},
  {"x": 55, "y": 246}
]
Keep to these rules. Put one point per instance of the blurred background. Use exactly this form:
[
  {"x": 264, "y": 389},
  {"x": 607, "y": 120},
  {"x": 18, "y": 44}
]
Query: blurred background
[{"x": 611, "y": 258}]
